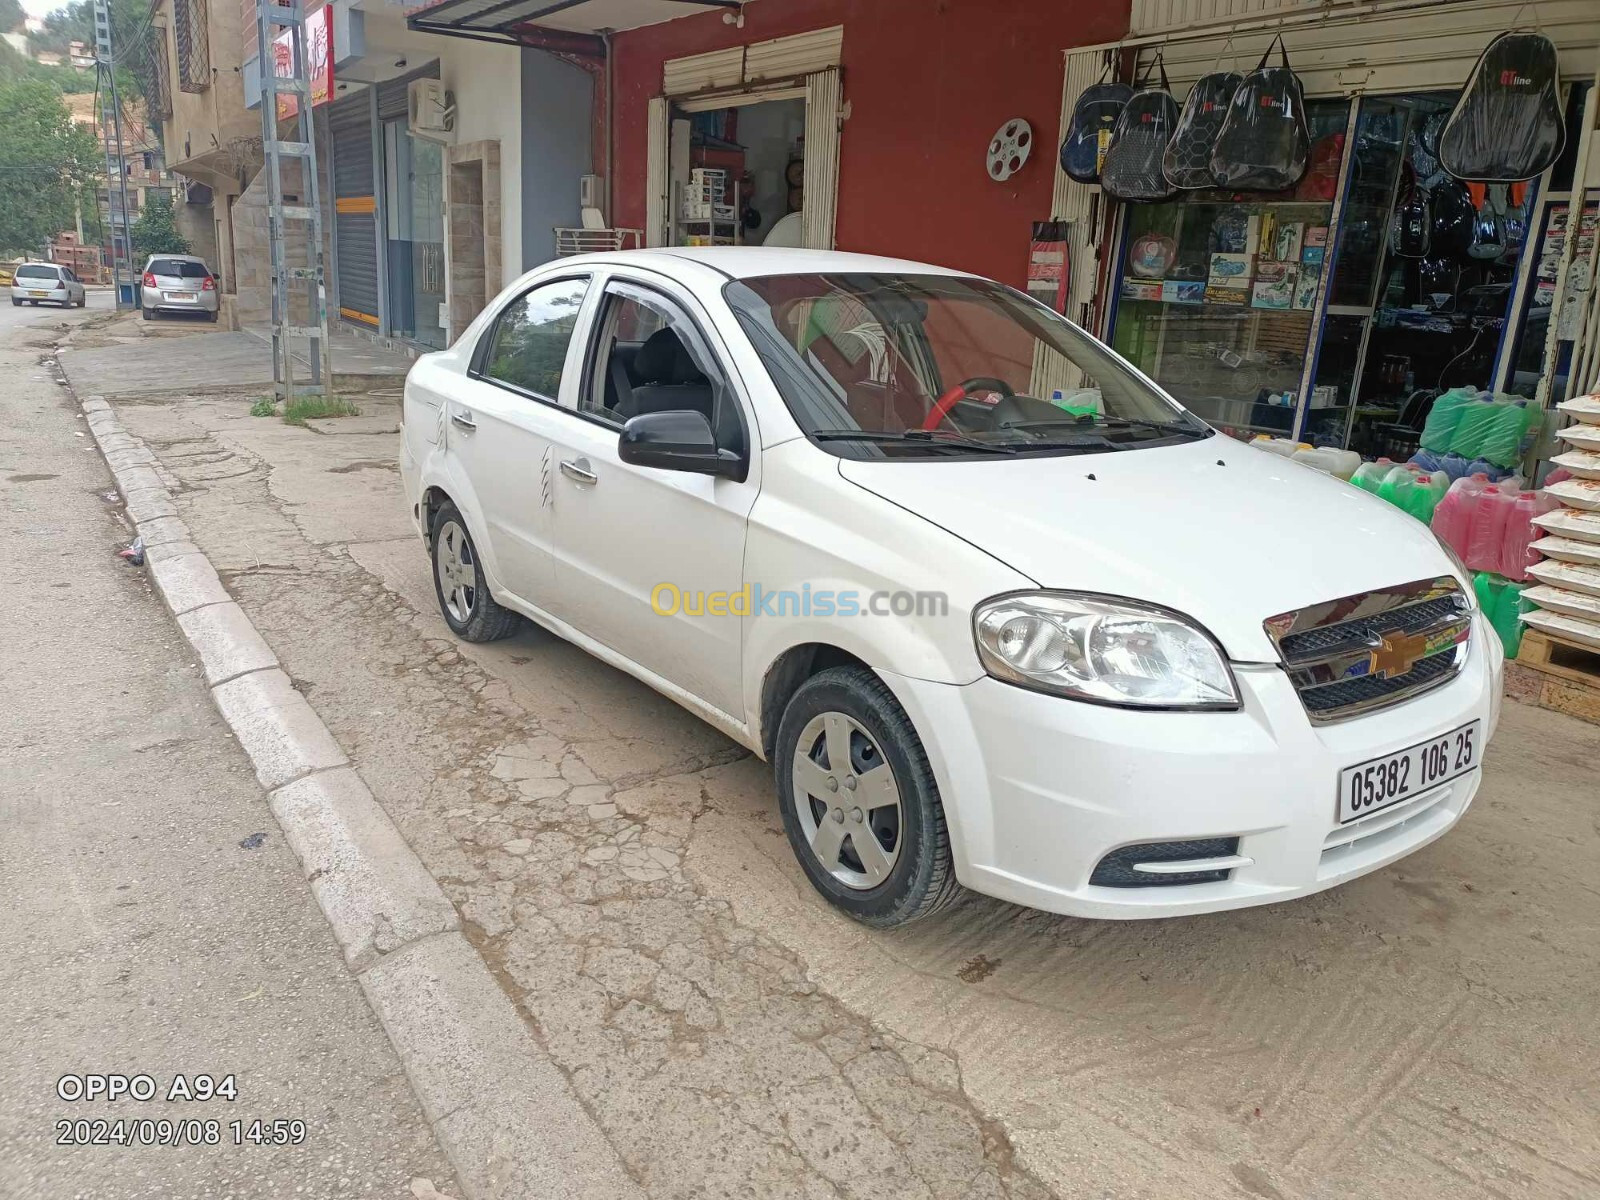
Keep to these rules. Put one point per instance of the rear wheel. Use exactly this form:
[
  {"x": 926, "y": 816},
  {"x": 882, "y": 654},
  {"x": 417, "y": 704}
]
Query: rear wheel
[
  {"x": 15, "y": 303},
  {"x": 860, "y": 803},
  {"x": 212, "y": 316},
  {"x": 459, "y": 583},
  {"x": 149, "y": 313}
]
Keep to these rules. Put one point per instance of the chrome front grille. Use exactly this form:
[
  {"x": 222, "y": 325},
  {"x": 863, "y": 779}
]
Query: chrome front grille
[{"x": 1365, "y": 652}]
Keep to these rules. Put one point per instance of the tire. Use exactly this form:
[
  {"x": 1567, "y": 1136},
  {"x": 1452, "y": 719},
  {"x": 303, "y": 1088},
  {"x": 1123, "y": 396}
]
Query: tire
[
  {"x": 149, "y": 313},
  {"x": 915, "y": 874},
  {"x": 15, "y": 303},
  {"x": 471, "y": 612},
  {"x": 83, "y": 301},
  {"x": 212, "y": 316}
]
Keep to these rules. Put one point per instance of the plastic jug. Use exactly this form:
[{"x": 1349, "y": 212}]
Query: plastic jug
[
  {"x": 1287, "y": 447},
  {"x": 1515, "y": 555},
  {"x": 1455, "y": 466},
  {"x": 1452, "y": 517},
  {"x": 1472, "y": 429},
  {"x": 1339, "y": 463},
  {"x": 1397, "y": 486},
  {"x": 1440, "y": 427},
  {"x": 1487, "y": 530},
  {"x": 1507, "y": 616},
  {"x": 1426, "y": 492},
  {"x": 1369, "y": 476}
]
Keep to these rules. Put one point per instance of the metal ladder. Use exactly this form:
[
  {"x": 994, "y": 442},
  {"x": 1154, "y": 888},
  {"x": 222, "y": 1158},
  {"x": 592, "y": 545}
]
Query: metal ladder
[{"x": 305, "y": 216}]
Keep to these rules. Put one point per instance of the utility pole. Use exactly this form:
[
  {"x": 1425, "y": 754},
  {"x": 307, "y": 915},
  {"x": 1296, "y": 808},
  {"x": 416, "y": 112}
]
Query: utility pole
[{"x": 116, "y": 165}]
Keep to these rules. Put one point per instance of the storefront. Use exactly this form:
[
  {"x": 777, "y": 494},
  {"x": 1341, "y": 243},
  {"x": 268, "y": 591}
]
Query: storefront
[{"x": 1336, "y": 312}]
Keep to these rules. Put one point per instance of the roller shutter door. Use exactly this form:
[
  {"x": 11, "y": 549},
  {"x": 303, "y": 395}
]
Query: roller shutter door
[{"x": 355, "y": 208}]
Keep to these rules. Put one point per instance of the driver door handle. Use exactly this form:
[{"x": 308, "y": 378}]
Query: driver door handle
[
  {"x": 577, "y": 469},
  {"x": 463, "y": 418}
]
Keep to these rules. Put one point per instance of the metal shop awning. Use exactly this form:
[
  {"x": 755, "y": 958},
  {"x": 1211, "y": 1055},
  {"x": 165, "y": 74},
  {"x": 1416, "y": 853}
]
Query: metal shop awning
[{"x": 575, "y": 22}]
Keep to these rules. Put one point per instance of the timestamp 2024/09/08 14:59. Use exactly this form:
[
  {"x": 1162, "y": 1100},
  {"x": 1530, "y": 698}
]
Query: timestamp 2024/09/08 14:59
[{"x": 166, "y": 1131}]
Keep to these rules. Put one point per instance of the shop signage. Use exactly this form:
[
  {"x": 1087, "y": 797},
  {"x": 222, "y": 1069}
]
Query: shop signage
[{"x": 319, "y": 60}]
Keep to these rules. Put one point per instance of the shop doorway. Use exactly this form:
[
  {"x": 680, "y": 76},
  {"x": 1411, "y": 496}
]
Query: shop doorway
[
  {"x": 758, "y": 167},
  {"x": 738, "y": 174},
  {"x": 414, "y": 241},
  {"x": 1420, "y": 296}
]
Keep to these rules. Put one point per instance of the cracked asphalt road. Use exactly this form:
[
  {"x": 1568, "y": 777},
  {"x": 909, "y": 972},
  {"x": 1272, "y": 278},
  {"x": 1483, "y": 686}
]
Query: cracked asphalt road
[{"x": 1426, "y": 1031}]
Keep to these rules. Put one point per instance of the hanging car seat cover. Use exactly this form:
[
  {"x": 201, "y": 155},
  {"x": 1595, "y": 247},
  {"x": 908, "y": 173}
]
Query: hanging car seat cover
[
  {"x": 1508, "y": 125},
  {"x": 1413, "y": 224},
  {"x": 1453, "y": 214},
  {"x": 1132, "y": 169},
  {"x": 1264, "y": 141},
  {"x": 1188, "y": 158},
  {"x": 1093, "y": 119}
]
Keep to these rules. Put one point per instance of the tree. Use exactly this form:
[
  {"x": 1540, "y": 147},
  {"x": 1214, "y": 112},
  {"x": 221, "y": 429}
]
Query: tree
[
  {"x": 11, "y": 16},
  {"x": 45, "y": 161},
  {"x": 155, "y": 232}
]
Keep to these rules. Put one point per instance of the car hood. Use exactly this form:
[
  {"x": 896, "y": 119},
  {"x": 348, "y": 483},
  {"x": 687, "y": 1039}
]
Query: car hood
[{"x": 1224, "y": 533}]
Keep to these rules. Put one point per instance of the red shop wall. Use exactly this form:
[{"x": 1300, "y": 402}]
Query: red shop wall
[{"x": 929, "y": 82}]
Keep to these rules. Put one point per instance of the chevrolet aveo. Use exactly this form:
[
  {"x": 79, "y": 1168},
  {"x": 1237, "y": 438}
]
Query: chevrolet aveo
[{"x": 1078, "y": 652}]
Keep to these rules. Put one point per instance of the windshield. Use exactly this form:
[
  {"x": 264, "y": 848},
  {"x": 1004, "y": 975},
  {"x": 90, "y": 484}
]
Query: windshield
[{"x": 896, "y": 366}]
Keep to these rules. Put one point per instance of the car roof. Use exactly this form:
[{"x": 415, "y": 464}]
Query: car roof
[
  {"x": 750, "y": 262},
  {"x": 194, "y": 258},
  {"x": 33, "y": 262}
]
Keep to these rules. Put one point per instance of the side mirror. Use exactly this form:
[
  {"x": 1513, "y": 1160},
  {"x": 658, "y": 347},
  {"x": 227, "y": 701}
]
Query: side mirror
[{"x": 680, "y": 440}]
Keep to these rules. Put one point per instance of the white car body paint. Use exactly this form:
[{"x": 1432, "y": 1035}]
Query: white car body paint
[{"x": 1036, "y": 788}]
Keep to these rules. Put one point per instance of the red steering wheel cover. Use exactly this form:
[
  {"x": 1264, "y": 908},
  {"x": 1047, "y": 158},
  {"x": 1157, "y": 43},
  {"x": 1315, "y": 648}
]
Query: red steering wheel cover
[{"x": 942, "y": 406}]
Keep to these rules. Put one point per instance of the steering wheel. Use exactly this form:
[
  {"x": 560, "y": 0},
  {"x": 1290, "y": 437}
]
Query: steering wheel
[{"x": 942, "y": 406}]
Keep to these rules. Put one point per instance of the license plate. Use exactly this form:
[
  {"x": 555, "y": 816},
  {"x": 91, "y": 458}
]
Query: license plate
[
  {"x": 32, "y": 293},
  {"x": 1380, "y": 782},
  {"x": 187, "y": 297}
]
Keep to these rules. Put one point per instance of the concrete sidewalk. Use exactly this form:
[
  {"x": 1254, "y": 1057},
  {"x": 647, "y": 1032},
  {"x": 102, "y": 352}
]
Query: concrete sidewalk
[{"x": 209, "y": 362}]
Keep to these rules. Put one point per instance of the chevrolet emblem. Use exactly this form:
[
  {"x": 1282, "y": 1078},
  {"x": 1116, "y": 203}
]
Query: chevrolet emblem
[{"x": 1397, "y": 654}]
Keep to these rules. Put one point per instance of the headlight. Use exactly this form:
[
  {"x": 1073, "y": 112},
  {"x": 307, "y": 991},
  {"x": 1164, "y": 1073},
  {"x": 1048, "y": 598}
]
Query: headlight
[{"x": 1102, "y": 649}]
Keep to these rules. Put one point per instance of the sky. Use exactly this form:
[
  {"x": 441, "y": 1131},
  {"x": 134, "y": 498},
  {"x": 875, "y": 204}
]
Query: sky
[{"x": 38, "y": 8}]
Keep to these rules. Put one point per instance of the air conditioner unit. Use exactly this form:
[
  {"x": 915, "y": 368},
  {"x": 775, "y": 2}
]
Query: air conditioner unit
[{"x": 430, "y": 110}]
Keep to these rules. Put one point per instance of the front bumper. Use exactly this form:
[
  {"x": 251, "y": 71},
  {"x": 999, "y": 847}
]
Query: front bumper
[{"x": 1038, "y": 789}]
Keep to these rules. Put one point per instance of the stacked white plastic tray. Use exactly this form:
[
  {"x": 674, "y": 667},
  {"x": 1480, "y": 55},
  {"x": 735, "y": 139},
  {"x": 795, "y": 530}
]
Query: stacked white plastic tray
[{"x": 1568, "y": 580}]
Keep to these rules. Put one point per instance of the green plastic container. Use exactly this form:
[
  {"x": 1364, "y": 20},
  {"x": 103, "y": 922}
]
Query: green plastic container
[
  {"x": 1502, "y": 602},
  {"x": 1476, "y": 422},
  {"x": 1440, "y": 426}
]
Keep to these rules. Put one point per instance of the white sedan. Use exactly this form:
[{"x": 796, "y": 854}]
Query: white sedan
[{"x": 999, "y": 612}]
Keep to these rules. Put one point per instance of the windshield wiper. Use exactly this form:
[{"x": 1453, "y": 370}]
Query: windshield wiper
[
  {"x": 1092, "y": 419},
  {"x": 914, "y": 437}
]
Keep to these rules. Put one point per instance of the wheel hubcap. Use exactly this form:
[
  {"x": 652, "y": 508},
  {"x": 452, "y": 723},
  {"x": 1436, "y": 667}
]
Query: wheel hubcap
[
  {"x": 458, "y": 574},
  {"x": 847, "y": 801}
]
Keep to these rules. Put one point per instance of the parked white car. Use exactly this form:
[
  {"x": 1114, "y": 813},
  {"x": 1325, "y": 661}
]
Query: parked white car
[
  {"x": 1083, "y": 653},
  {"x": 46, "y": 283}
]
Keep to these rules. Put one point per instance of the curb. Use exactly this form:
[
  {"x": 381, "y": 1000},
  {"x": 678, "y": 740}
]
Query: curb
[{"x": 503, "y": 1113}]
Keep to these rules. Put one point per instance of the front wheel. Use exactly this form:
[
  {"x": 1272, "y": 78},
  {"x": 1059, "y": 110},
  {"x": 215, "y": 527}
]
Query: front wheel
[
  {"x": 860, "y": 804},
  {"x": 458, "y": 581},
  {"x": 15, "y": 303}
]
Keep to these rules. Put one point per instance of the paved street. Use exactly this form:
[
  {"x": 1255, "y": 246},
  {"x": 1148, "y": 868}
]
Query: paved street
[
  {"x": 155, "y": 921},
  {"x": 1427, "y": 1031}
]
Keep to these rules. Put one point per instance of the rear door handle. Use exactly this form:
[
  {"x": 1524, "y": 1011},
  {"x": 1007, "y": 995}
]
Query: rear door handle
[
  {"x": 578, "y": 469},
  {"x": 463, "y": 418}
]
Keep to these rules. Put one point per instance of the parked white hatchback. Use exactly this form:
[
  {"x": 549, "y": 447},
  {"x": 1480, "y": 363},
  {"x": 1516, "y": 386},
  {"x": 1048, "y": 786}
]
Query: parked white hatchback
[
  {"x": 46, "y": 283},
  {"x": 1081, "y": 653}
]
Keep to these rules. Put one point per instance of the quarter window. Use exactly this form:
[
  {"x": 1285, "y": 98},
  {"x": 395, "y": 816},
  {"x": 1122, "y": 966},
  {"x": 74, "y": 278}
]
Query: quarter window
[{"x": 529, "y": 350}]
